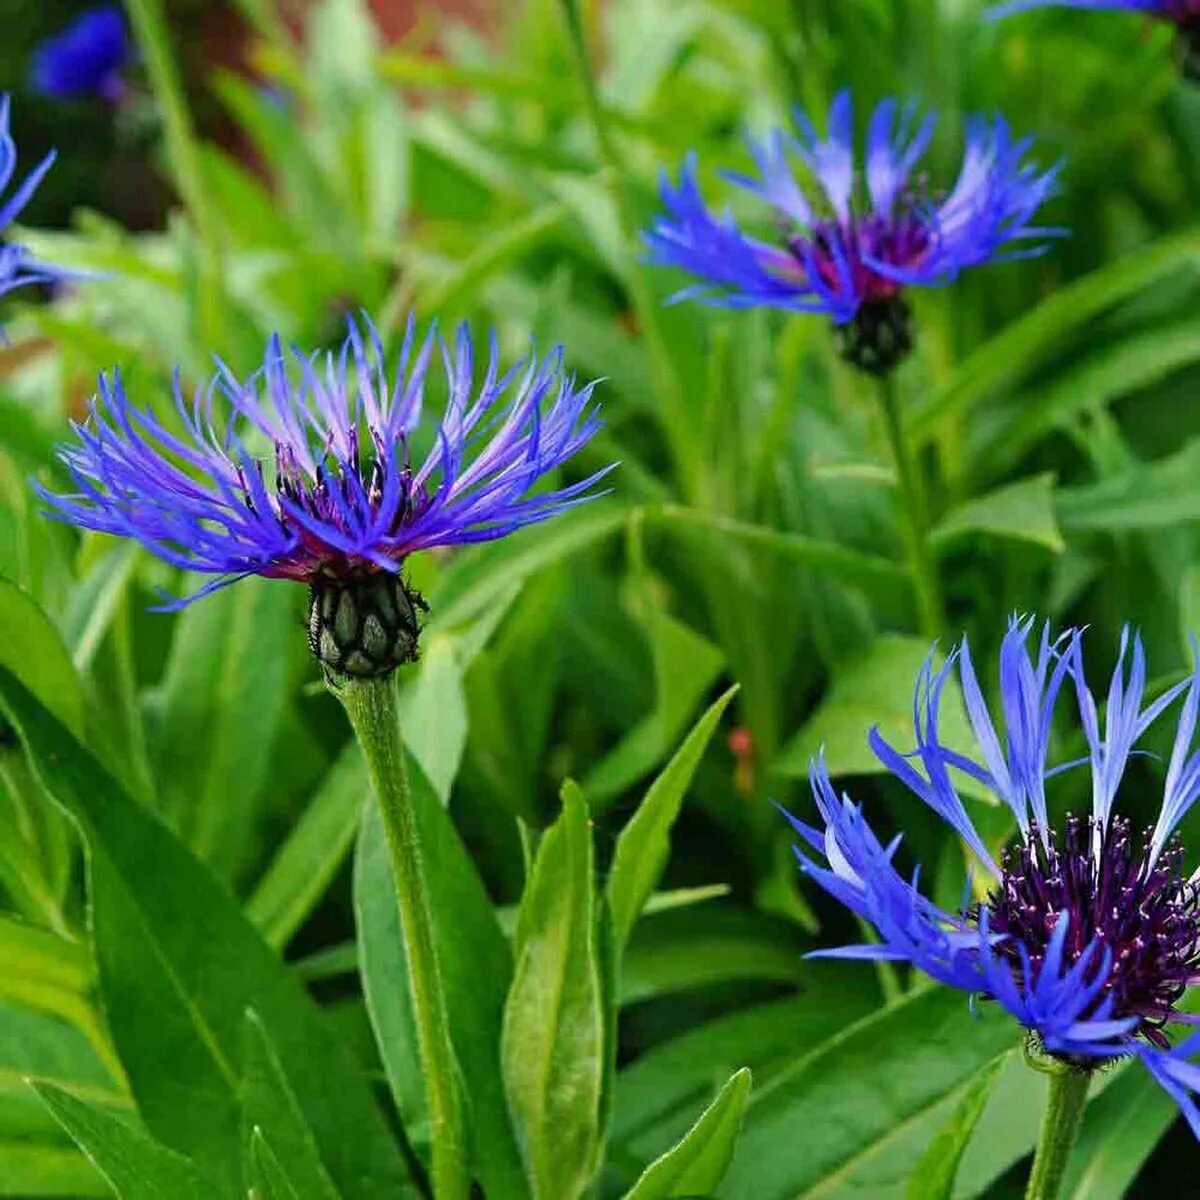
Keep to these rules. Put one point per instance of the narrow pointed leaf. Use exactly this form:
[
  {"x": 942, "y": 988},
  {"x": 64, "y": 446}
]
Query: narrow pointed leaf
[
  {"x": 697, "y": 1164},
  {"x": 267, "y": 1177},
  {"x": 934, "y": 1176},
  {"x": 138, "y": 1167},
  {"x": 644, "y": 844},
  {"x": 270, "y": 1109},
  {"x": 179, "y": 964},
  {"x": 553, "y": 1047}
]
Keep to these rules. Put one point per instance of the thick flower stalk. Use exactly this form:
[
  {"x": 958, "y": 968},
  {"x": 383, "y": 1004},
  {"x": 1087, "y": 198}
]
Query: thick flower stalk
[
  {"x": 847, "y": 251},
  {"x": 86, "y": 58},
  {"x": 1183, "y": 14},
  {"x": 17, "y": 266},
  {"x": 1089, "y": 934},
  {"x": 311, "y": 477}
]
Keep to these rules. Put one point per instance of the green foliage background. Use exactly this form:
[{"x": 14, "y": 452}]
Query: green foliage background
[{"x": 750, "y": 539}]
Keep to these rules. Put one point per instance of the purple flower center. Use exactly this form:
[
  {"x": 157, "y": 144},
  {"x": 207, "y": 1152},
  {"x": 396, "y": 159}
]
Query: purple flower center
[
  {"x": 1146, "y": 914},
  {"x": 840, "y": 254},
  {"x": 344, "y": 489}
]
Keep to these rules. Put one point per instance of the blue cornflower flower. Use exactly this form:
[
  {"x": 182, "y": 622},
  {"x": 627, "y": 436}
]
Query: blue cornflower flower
[
  {"x": 1088, "y": 939},
  {"x": 85, "y": 59},
  {"x": 1183, "y": 14},
  {"x": 847, "y": 254},
  {"x": 17, "y": 268},
  {"x": 310, "y": 476}
]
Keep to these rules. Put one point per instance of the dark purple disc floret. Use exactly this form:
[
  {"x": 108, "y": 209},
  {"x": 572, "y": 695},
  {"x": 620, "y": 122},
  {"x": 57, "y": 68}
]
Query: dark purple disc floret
[{"x": 1145, "y": 912}]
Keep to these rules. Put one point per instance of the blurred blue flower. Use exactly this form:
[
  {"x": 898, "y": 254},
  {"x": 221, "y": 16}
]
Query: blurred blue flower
[
  {"x": 1171, "y": 10},
  {"x": 310, "y": 476},
  {"x": 86, "y": 59},
  {"x": 840, "y": 250},
  {"x": 17, "y": 267},
  {"x": 1089, "y": 938}
]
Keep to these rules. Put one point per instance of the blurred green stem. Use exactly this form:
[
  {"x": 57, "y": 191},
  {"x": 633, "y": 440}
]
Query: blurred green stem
[
  {"x": 371, "y": 706},
  {"x": 915, "y": 522},
  {"x": 681, "y": 426},
  {"x": 1060, "y": 1127},
  {"x": 150, "y": 27}
]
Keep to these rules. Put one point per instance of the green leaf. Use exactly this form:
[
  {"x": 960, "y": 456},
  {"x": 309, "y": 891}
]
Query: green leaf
[
  {"x": 685, "y": 667},
  {"x": 179, "y": 964},
  {"x": 1121, "y": 1127},
  {"x": 479, "y": 580},
  {"x": 1106, "y": 373},
  {"x": 856, "y": 1101},
  {"x": 224, "y": 692},
  {"x": 1189, "y": 607},
  {"x": 314, "y": 850},
  {"x": 270, "y": 1110},
  {"x": 37, "y": 1158},
  {"x": 268, "y": 1179},
  {"x": 683, "y": 951},
  {"x": 1148, "y": 496},
  {"x": 433, "y": 714},
  {"x": 475, "y": 965},
  {"x": 1022, "y": 511},
  {"x": 96, "y": 602},
  {"x": 31, "y": 647},
  {"x": 1019, "y": 345},
  {"x": 514, "y": 240},
  {"x": 29, "y": 1170},
  {"x": 873, "y": 689},
  {"x": 697, "y": 1164},
  {"x": 137, "y": 1166},
  {"x": 934, "y": 1176},
  {"x": 884, "y": 582},
  {"x": 644, "y": 844},
  {"x": 660, "y": 1092},
  {"x": 552, "y": 1046},
  {"x": 24, "y": 436}
]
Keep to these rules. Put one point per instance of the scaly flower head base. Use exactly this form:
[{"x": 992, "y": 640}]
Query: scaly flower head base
[
  {"x": 364, "y": 627},
  {"x": 310, "y": 477},
  {"x": 1089, "y": 939},
  {"x": 847, "y": 250}
]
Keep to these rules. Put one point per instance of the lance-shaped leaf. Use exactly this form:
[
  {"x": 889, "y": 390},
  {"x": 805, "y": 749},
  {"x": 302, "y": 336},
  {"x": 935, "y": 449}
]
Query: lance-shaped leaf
[
  {"x": 553, "y": 1045},
  {"x": 697, "y": 1164},
  {"x": 644, "y": 845},
  {"x": 179, "y": 964}
]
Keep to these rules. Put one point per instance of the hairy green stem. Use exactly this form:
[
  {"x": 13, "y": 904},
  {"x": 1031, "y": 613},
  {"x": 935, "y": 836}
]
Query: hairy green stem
[
  {"x": 371, "y": 706},
  {"x": 1060, "y": 1127},
  {"x": 916, "y": 527}
]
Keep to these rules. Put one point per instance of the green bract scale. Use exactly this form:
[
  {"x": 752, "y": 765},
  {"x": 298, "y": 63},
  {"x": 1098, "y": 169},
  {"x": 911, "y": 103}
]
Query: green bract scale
[{"x": 364, "y": 627}]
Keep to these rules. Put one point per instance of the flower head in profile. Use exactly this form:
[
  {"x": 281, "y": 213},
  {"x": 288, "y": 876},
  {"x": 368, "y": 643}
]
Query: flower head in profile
[
  {"x": 1089, "y": 934},
  {"x": 1183, "y": 14},
  {"x": 17, "y": 266},
  {"x": 310, "y": 475},
  {"x": 846, "y": 250},
  {"x": 85, "y": 59}
]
